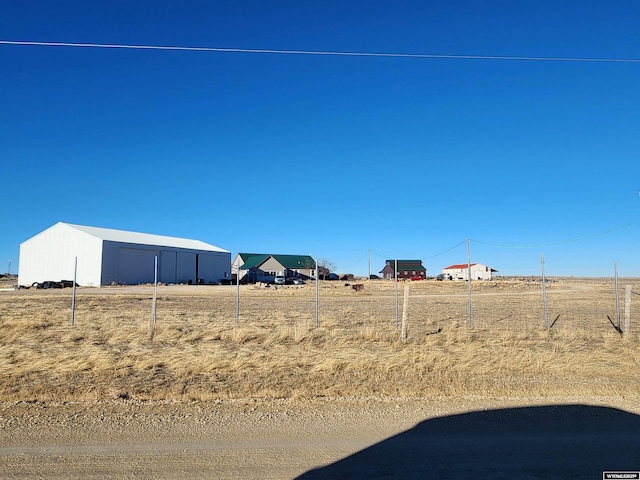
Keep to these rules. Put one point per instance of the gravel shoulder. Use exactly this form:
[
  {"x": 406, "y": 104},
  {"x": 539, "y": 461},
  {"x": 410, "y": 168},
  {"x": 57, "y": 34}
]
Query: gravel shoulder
[{"x": 314, "y": 439}]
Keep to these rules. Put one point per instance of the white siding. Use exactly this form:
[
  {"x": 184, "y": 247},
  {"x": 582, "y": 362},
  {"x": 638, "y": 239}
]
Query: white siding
[
  {"x": 51, "y": 254},
  {"x": 478, "y": 272},
  {"x": 235, "y": 266}
]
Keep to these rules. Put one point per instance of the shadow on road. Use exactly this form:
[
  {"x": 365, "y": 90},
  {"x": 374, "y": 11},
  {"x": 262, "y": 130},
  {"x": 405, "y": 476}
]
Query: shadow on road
[{"x": 544, "y": 442}]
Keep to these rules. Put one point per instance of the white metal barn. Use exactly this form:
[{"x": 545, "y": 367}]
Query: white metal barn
[
  {"x": 461, "y": 270},
  {"x": 106, "y": 256}
]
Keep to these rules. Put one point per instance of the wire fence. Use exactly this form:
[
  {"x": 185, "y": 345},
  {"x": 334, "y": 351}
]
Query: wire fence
[
  {"x": 525, "y": 304},
  {"x": 507, "y": 305}
]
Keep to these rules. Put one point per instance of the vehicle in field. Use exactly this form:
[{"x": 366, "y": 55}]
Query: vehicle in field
[{"x": 443, "y": 276}]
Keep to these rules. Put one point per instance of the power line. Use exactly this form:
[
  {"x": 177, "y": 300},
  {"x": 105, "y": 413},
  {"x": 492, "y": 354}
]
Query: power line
[
  {"x": 502, "y": 245},
  {"x": 324, "y": 53},
  {"x": 426, "y": 257},
  {"x": 354, "y": 263},
  {"x": 446, "y": 251},
  {"x": 564, "y": 242}
]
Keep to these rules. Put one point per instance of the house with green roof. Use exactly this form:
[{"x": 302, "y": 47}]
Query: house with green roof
[{"x": 256, "y": 267}]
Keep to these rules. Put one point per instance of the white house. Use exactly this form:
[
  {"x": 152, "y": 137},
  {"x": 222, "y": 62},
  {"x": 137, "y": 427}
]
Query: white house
[
  {"x": 460, "y": 271},
  {"x": 106, "y": 256}
]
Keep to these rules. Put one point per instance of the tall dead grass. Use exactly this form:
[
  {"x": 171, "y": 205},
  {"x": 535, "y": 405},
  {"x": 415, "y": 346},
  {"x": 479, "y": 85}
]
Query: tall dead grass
[{"x": 198, "y": 353}]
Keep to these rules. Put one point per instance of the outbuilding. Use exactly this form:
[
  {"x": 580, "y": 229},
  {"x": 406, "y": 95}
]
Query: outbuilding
[
  {"x": 460, "y": 271},
  {"x": 106, "y": 257}
]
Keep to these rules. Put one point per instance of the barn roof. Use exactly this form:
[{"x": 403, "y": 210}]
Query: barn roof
[
  {"x": 287, "y": 261},
  {"x": 124, "y": 236},
  {"x": 252, "y": 260},
  {"x": 458, "y": 265},
  {"x": 404, "y": 265},
  {"x": 464, "y": 266}
]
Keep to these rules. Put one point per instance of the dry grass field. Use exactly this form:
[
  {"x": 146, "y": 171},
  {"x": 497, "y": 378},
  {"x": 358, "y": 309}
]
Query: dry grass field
[{"x": 197, "y": 351}]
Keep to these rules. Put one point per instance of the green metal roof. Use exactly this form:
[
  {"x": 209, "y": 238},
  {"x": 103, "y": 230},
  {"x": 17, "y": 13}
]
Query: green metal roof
[
  {"x": 406, "y": 265},
  {"x": 252, "y": 260},
  {"x": 291, "y": 262},
  {"x": 295, "y": 261}
]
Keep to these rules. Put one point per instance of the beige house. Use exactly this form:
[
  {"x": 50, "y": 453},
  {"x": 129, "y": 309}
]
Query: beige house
[{"x": 258, "y": 267}]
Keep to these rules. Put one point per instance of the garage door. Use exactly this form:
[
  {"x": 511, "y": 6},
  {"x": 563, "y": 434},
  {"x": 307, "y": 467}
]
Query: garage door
[{"x": 136, "y": 266}]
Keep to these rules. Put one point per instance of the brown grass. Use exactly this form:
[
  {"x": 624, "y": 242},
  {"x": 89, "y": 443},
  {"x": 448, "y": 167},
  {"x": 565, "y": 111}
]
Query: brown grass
[{"x": 198, "y": 353}]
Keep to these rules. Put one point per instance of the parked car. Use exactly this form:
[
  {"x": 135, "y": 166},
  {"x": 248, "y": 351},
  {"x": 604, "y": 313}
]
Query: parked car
[
  {"x": 295, "y": 281},
  {"x": 443, "y": 276},
  {"x": 278, "y": 280}
]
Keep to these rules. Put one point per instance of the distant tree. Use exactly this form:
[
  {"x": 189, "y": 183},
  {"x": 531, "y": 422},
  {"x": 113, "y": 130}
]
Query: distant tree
[{"x": 325, "y": 267}]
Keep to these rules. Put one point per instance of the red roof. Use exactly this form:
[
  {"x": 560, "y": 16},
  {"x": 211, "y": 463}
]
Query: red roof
[{"x": 460, "y": 265}]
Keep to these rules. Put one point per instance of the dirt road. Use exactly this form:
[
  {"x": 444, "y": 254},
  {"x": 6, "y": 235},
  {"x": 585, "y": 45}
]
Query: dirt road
[{"x": 441, "y": 438}]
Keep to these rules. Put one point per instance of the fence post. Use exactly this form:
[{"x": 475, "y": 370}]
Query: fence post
[
  {"x": 238, "y": 296},
  {"x": 405, "y": 306},
  {"x": 73, "y": 294},
  {"x": 395, "y": 278},
  {"x": 627, "y": 310},
  {"x": 317, "y": 293},
  {"x": 615, "y": 268},
  {"x": 152, "y": 322},
  {"x": 544, "y": 294},
  {"x": 470, "y": 321}
]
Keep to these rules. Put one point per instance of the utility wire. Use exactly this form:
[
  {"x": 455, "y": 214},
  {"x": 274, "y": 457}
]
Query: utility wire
[
  {"x": 445, "y": 251},
  {"x": 427, "y": 257},
  {"x": 502, "y": 245},
  {"x": 325, "y": 53},
  {"x": 381, "y": 256},
  {"x": 355, "y": 263},
  {"x": 564, "y": 242}
]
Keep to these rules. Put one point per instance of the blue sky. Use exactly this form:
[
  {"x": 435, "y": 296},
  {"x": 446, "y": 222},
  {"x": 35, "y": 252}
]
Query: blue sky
[{"x": 331, "y": 155}]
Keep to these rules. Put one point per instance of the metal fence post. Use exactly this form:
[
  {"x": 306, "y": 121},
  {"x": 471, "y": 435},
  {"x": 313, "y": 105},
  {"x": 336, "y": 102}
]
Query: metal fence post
[
  {"x": 470, "y": 321},
  {"x": 615, "y": 268},
  {"x": 395, "y": 278},
  {"x": 627, "y": 310},
  {"x": 73, "y": 293},
  {"x": 152, "y": 322},
  {"x": 544, "y": 294},
  {"x": 238, "y": 296},
  {"x": 317, "y": 293}
]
